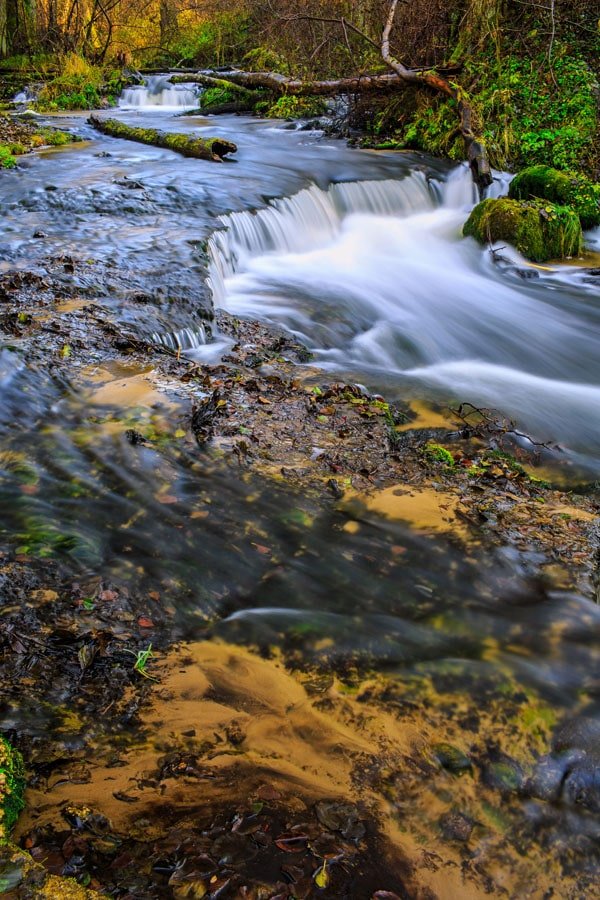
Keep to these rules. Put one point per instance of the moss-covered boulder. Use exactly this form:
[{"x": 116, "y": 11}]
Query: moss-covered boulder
[
  {"x": 12, "y": 786},
  {"x": 540, "y": 230},
  {"x": 564, "y": 188}
]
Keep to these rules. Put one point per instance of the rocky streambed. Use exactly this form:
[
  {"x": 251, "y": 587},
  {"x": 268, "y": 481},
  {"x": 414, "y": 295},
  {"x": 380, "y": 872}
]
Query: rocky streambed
[{"x": 269, "y": 632}]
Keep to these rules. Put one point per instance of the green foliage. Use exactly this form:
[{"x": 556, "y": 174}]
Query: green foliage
[
  {"x": 527, "y": 117},
  {"x": 216, "y": 96},
  {"x": 54, "y": 138},
  {"x": 263, "y": 59},
  {"x": 213, "y": 42},
  {"x": 437, "y": 453},
  {"x": 7, "y": 160},
  {"x": 292, "y": 107},
  {"x": 540, "y": 230},
  {"x": 568, "y": 189},
  {"x": 12, "y": 786},
  {"x": 79, "y": 86}
]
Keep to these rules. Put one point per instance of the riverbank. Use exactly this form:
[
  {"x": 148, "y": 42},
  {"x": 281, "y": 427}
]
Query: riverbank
[
  {"x": 267, "y": 633},
  {"x": 263, "y": 411}
]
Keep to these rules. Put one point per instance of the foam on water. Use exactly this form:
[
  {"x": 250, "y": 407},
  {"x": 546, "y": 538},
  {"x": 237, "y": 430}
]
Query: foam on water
[{"x": 375, "y": 277}]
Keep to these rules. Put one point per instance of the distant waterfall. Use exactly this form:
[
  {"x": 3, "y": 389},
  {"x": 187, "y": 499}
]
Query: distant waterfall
[{"x": 158, "y": 93}]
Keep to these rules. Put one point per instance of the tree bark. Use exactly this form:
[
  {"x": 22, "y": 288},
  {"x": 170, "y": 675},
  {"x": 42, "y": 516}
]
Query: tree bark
[
  {"x": 474, "y": 143},
  {"x": 198, "y": 148},
  {"x": 281, "y": 84}
]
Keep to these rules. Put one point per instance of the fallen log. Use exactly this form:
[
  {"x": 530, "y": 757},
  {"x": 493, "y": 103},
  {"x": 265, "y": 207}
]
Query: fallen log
[
  {"x": 197, "y": 148},
  {"x": 468, "y": 127},
  {"x": 281, "y": 84}
]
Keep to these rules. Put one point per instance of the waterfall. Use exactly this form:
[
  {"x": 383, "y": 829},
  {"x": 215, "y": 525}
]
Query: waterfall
[
  {"x": 307, "y": 220},
  {"x": 184, "y": 339},
  {"x": 158, "y": 93},
  {"x": 375, "y": 276}
]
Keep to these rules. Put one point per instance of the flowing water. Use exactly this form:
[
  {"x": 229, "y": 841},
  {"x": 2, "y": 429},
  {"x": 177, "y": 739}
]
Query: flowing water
[{"x": 361, "y": 256}]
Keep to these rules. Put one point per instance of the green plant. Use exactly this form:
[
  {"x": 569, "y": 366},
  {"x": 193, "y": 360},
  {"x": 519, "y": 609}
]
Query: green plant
[
  {"x": 292, "y": 107},
  {"x": 12, "y": 786},
  {"x": 530, "y": 114},
  {"x": 436, "y": 453},
  {"x": 79, "y": 86},
  {"x": 141, "y": 662},
  {"x": 263, "y": 59},
  {"x": 7, "y": 160}
]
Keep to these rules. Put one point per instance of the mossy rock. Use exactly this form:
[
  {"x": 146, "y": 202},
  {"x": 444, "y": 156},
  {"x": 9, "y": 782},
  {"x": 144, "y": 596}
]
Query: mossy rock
[
  {"x": 21, "y": 876},
  {"x": 539, "y": 229},
  {"x": 565, "y": 188},
  {"x": 12, "y": 786}
]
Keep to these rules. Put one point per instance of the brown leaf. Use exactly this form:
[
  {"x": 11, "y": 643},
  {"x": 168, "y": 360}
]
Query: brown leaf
[{"x": 292, "y": 842}]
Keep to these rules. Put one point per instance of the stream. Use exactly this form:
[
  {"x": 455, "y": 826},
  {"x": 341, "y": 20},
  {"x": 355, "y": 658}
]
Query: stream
[{"x": 359, "y": 255}]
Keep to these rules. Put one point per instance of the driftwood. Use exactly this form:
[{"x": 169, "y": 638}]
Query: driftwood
[{"x": 198, "y": 148}]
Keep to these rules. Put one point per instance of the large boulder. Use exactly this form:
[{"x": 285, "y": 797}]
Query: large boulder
[
  {"x": 565, "y": 188},
  {"x": 540, "y": 230}
]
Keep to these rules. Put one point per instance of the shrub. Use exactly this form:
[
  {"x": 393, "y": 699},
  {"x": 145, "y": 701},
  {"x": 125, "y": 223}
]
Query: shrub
[
  {"x": 291, "y": 107},
  {"x": 77, "y": 87},
  {"x": 7, "y": 160}
]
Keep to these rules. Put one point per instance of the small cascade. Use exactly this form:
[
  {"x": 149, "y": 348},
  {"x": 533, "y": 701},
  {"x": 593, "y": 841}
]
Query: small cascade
[
  {"x": 185, "y": 339},
  {"x": 158, "y": 93},
  {"x": 459, "y": 191},
  {"x": 307, "y": 220}
]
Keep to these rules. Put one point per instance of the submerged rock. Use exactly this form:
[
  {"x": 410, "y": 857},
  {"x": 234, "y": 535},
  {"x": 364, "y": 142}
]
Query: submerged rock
[
  {"x": 566, "y": 188},
  {"x": 540, "y": 230}
]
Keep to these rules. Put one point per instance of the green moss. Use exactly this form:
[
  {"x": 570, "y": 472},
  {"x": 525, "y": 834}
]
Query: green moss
[
  {"x": 437, "y": 453},
  {"x": 540, "y": 230},
  {"x": 12, "y": 786},
  {"x": 566, "y": 188},
  {"x": 217, "y": 96},
  {"x": 292, "y": 107},
  {"x": 263, "y": 59}
]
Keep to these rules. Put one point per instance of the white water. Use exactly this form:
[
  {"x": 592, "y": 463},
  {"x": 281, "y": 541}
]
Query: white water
[
  {"x": 376, "y": 278},
  {"x": 158, "y": 94}
]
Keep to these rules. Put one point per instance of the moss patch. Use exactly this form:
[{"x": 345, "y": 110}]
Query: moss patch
[
  {"x": 292, "y": 107},
  {"x": 540, "y": 230},
  {"x": 566, "y": 188},
  {"x": 12, "y": 785}
]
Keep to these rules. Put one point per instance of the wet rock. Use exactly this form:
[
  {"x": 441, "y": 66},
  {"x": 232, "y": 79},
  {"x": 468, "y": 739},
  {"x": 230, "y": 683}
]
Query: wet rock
[
  {"x": 581, "y": 733},
  {"x": 456, "y": 827},
  {"x": 342, "y": 817},
  {"x": 546, "y": 781},
  {"x": 503, "y": 774},
  {"x": 581, "y": 786},
  {"x": 452, "y": 759}
]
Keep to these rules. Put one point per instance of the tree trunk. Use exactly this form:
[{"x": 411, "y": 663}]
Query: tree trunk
[
  {"x": 281, "y": 84},
  {"x": 198, "y": 148}
]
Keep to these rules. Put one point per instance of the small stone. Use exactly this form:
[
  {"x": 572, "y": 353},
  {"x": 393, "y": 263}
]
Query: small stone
[{"x": 456, "y": 827}]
